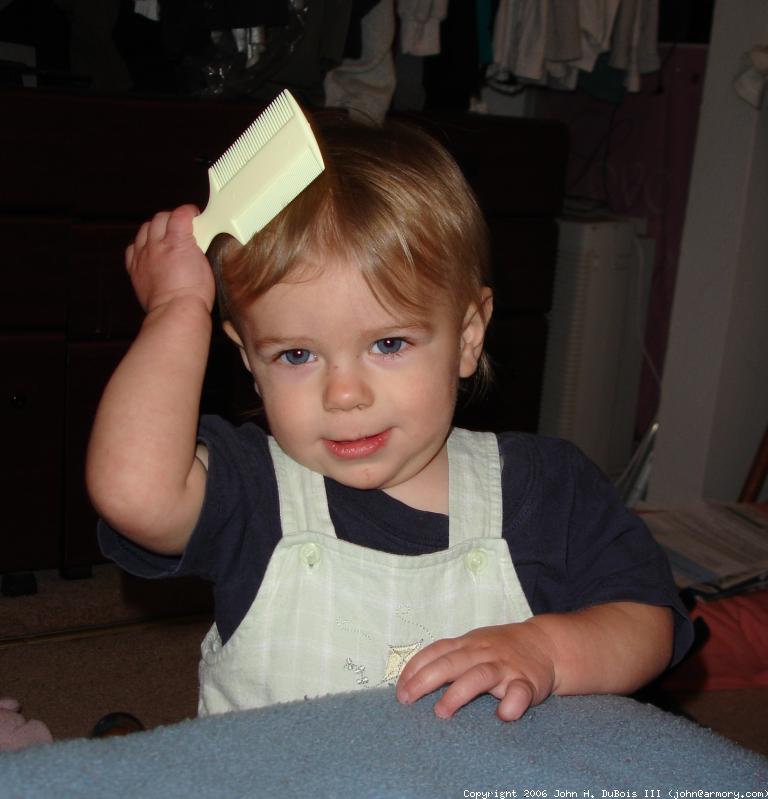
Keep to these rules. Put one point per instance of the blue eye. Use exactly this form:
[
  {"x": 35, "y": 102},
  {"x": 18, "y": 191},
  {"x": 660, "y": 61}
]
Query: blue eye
[
  {"x": 296, "y": 357},
  {"x": 388, "y": 346}
]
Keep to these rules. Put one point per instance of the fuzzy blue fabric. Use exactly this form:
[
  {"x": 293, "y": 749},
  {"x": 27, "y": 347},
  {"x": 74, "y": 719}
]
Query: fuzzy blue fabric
[{"x": 368, "y": 745}]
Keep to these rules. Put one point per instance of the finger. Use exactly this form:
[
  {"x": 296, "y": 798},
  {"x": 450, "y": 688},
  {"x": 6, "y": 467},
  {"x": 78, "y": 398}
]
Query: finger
[
  {"x": 518, "y": 698},
  {"x": 142, "y": 236},
  {"x": 435, "y": 673},
  {"x": 158, "y": 226},
  {"x": 405, "y": 685},
  {"x": 425, "y": 656},
  {"x": 481, "y": 678},
  {"x": 179, "y": 223}
]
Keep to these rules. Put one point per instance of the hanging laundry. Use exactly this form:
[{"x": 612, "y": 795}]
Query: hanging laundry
[
  {"x": 519, "y": 38},
  {"x": 634, "y": 42},
  {"x": 365, "y": 85},
  {"x": 420, "y": 25},
  {"x": 595, "y": 23},
  {"x": 550, "y": 42}
]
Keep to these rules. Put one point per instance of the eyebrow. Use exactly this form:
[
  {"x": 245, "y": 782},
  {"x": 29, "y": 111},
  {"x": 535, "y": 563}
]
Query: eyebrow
[
  {"x": 374, "y": 334},
  {"x": 280, "y": 341}
]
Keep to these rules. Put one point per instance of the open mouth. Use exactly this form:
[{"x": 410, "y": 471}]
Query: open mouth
[{"x": 359, "y": 447}]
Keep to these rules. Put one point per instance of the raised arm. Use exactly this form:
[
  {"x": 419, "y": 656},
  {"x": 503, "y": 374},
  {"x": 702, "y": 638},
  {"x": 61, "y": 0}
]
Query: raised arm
[
  {"x": 612, "y": 648},
  {"x": 142, "y": 472}
]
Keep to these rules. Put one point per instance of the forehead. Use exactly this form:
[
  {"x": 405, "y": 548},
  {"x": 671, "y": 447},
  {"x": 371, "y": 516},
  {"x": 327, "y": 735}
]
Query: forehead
[{"x": 335, "y": 297}]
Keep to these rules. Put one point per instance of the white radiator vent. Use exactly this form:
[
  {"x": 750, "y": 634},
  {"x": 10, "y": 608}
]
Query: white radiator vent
[{"x": 595, "y": 341}]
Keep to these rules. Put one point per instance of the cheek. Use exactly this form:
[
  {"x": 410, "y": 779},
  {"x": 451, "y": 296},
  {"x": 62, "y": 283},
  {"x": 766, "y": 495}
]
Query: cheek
[
  {"x": 292, "y": 426},
  {"x": 283, "y": 399},
  {"x": 436, "y": 387},
  {"x": 284, "y": 402}
]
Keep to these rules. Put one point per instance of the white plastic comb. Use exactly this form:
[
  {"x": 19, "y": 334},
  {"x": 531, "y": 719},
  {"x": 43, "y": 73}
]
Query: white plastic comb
[{"x": 266, "y": 167}]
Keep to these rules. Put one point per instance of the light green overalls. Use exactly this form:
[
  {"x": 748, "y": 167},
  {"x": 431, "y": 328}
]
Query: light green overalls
[{"x": 331, "y": 616}]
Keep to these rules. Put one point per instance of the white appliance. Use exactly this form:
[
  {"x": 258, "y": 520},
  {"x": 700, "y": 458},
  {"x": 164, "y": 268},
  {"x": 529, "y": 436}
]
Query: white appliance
[{"x": 596, "y": 333}]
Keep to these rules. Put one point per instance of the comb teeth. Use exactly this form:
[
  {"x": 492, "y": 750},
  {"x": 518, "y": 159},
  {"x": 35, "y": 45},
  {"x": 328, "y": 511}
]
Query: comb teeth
[{"x": 261, "y": 130}]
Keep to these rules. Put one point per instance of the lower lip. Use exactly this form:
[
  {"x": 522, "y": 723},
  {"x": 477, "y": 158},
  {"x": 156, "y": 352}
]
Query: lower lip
[{"x": 359, "y": 448}]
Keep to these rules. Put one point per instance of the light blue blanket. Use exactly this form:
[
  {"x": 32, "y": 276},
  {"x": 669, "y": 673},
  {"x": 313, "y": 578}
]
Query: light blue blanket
[{"x": 368, "y": 745}]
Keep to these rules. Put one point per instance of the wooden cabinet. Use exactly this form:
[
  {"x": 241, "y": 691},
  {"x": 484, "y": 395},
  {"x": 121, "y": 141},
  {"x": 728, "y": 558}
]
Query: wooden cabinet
[
  {"x": 517, "y": 168},
  {"x": 81, "y": 173},
  {"x": 32, "y": 383},
  {"x": 89, "y": 365},
  {"x": 33, "y": 311}
]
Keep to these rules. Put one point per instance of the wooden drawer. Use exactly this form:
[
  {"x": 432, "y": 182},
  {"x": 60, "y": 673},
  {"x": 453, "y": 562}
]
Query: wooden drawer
[
  {"x": 89, "y": 367},
  {"x": 515, "y": 166},
  {"x": 516, "y": 347},
  {"x": 32, "y": 412},
  {"x": 35, "y": 154},
  {"x": 33, "y": 258},
  {"x": 101, "y": 299},
  {"x": 156, "y": 152},
  {"x": 111, "y": 158},
  {"x": 523, "y": 255}
]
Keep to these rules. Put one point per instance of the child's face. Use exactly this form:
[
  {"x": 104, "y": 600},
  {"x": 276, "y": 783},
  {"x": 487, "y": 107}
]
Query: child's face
[{"x": 354, "y": 391}]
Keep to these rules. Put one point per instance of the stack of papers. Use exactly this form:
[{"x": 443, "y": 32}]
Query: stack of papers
[{"x": 715, "y": 548}]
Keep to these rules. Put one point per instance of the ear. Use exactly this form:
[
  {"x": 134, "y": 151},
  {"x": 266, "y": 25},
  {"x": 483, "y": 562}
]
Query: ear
[
  {"x": 229, "y": 329},
  {"x": 473, "y": 330}
]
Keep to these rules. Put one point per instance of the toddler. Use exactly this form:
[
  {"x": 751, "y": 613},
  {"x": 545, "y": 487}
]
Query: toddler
[{"x": 366, "y": 541}]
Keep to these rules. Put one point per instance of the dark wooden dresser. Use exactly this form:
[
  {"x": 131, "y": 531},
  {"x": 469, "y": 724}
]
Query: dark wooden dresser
[{"x": 80, "y": 173}]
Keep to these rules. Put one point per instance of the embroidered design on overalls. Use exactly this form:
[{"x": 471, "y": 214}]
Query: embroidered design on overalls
[
  {"x": 404, "y": 612},
  {"x": 349, "y": 664},
  {"x": 398, "y": 657},
  {"x": 359, "y": 670}
]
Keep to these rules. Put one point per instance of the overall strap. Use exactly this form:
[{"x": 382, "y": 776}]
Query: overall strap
[
  {"x": 474, "y": 485},
  {"x": 303, "y": 501}
]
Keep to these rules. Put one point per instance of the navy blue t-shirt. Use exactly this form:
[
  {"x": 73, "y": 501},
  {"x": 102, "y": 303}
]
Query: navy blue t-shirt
[{"x": 572, "y": 541}]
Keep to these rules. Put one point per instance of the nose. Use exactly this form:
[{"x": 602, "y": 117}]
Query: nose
[{"x": 346, "y": 389}]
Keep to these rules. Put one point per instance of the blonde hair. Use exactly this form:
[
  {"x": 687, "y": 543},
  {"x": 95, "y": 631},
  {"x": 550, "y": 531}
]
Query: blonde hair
[{"x": 391, "y": 201}]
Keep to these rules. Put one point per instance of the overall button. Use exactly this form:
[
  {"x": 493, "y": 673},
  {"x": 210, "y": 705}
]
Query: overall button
[
  {"x": 310, "y": 554},
  {"x": 475, "y": 560}
]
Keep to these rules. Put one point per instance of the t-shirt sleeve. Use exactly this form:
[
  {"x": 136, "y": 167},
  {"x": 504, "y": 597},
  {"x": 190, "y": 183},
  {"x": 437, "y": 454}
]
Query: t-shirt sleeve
[
  {"x": 133, "y": 558},
  {"x": 582, "y": 547},
  {"x": 240, "y": 491}
]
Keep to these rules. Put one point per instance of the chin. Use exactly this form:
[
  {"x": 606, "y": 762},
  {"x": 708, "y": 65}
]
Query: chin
[
  {"x": 360, "y": 482},
  {"x": 364, "y": 477}
]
